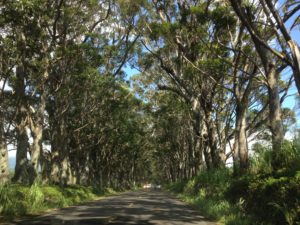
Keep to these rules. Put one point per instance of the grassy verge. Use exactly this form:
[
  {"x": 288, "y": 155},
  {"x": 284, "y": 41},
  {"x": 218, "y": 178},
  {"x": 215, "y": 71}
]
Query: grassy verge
[
  {"x": 19, "y": 200},
  {"x": 212, "y": 192}
]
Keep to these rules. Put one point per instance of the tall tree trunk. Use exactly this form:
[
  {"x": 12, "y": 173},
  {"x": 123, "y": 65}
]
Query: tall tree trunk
[
  {"x": 240, "y": 147},
  {"x": 275, "y": 116},
  {"x": 217, "y": 155},
  {"x": 4, "y": 169},
  {"x": 36, "y": 148},
  {"x": 275, "y": 119},
  {"x": 45, "y": 166},
  {"x": 260, "y": 41},
  {"x": 38, "y": 126},
  {"x": 22, "y": 167},
  {"x": 242, "y": 140},
  {"x": 212, "y": 142},
  {"x": 60, "y": 167},
  {"x": 206, "y": 151},
  {"x": 4, "y": 166},
  {"x": 196, "y": 151},
  {"x": 235, "y": 153},
  {"x": 55, "y": 141},
  {"x": 37, "y": 136}
]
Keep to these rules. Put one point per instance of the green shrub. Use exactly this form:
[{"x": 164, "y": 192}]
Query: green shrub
[
  {"x": 240, "y": 219},
  {"x": 176, "y": 187},
  {"x": 260, "y": 162},
  {"x": 289, "y": 155},
  {"x": 263, "y": 198},
  {"x": 215, "y": 182},
  {"x": 206, "y": 192},
  {"x": 189, "y": 188},
  {"x": 271, "y": 199}
]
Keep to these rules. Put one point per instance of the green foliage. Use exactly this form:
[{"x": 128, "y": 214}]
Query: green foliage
[
  {"x": 164, "y": 29},
  {"x": 223, "y": 18},
  {"x": 239, "y": 219},
  {"x": 54, "y": 197},
  {"x": 212, "y": 208},
  {"x": 16, "y": 200},
  {"x": 273, "y": 199},
  {"x": 253, "y": 199},
  {"x": 289, "y": 155},
  {"x": 35, "y": 198},
  {"x": 272, "y": 196},
  {"x": 176, "y": 187},
  {"x": 200, "y": 12},
  {"x": 288, "y": 158},
  {"x": 260, "y": 162},
  {"x": 216, "y": 178},
  {"x": 12, "y": 200},
  {"x": 207, "y": 193},
  {"x": 189, "y": 187}
]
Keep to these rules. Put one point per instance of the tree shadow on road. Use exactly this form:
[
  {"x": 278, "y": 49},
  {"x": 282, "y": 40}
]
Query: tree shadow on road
[{"x": 141, "y": 207}]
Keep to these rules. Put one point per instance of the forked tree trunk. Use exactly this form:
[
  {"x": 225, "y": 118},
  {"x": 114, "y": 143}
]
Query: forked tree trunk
[{"x": 266, "y": 57}]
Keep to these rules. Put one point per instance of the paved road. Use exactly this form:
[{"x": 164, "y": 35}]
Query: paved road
[{"x": 140, "y": 207}]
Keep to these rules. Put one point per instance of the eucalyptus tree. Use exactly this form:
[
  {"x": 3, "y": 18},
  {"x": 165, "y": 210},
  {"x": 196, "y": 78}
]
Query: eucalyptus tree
[
  {"x": 7, "y": 51},
  {"x": 4, "y": 167},
  {"x": 244, "y": 75},
  {"x": 181, "y": 47},
  {"x": 57, "y": 46},
  {"x": 172, "y": 130},
  {"x": 16, "y": 39},
  {"x": 253, "y": 17},
  {"x": 96, "y": 56}
]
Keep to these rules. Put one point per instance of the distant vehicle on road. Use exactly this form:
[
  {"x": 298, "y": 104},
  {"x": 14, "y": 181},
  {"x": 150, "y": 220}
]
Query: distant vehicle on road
[
  {"x": 152, "y": 186},
  {"x": 147, "y": 186}
]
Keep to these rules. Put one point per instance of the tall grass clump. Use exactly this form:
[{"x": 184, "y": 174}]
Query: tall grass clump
[
  {"x": 35, "y": 198},
  {"x": 12, "y": 200},
  {"x": 18, "y": 200}
]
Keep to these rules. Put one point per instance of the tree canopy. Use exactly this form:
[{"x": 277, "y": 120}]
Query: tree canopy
[{"x": 210, "y": 77}]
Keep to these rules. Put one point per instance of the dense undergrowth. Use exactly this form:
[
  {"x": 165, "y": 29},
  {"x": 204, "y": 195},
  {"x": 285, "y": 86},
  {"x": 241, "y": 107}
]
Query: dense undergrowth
[
  {"x": 268, "y": 199},
  {"x": 19, "y": 200},
  {"x": 256, "y": 198}
]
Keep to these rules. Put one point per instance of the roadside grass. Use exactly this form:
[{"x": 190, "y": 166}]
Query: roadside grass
[
  {"x": 263, "y": 196},
  {"x": 206, "y": 193},
  {"x": 19, "y": 200}
]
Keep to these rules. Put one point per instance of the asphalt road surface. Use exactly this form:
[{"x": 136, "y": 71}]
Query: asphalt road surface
[{"x": 141, "y": 207}]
